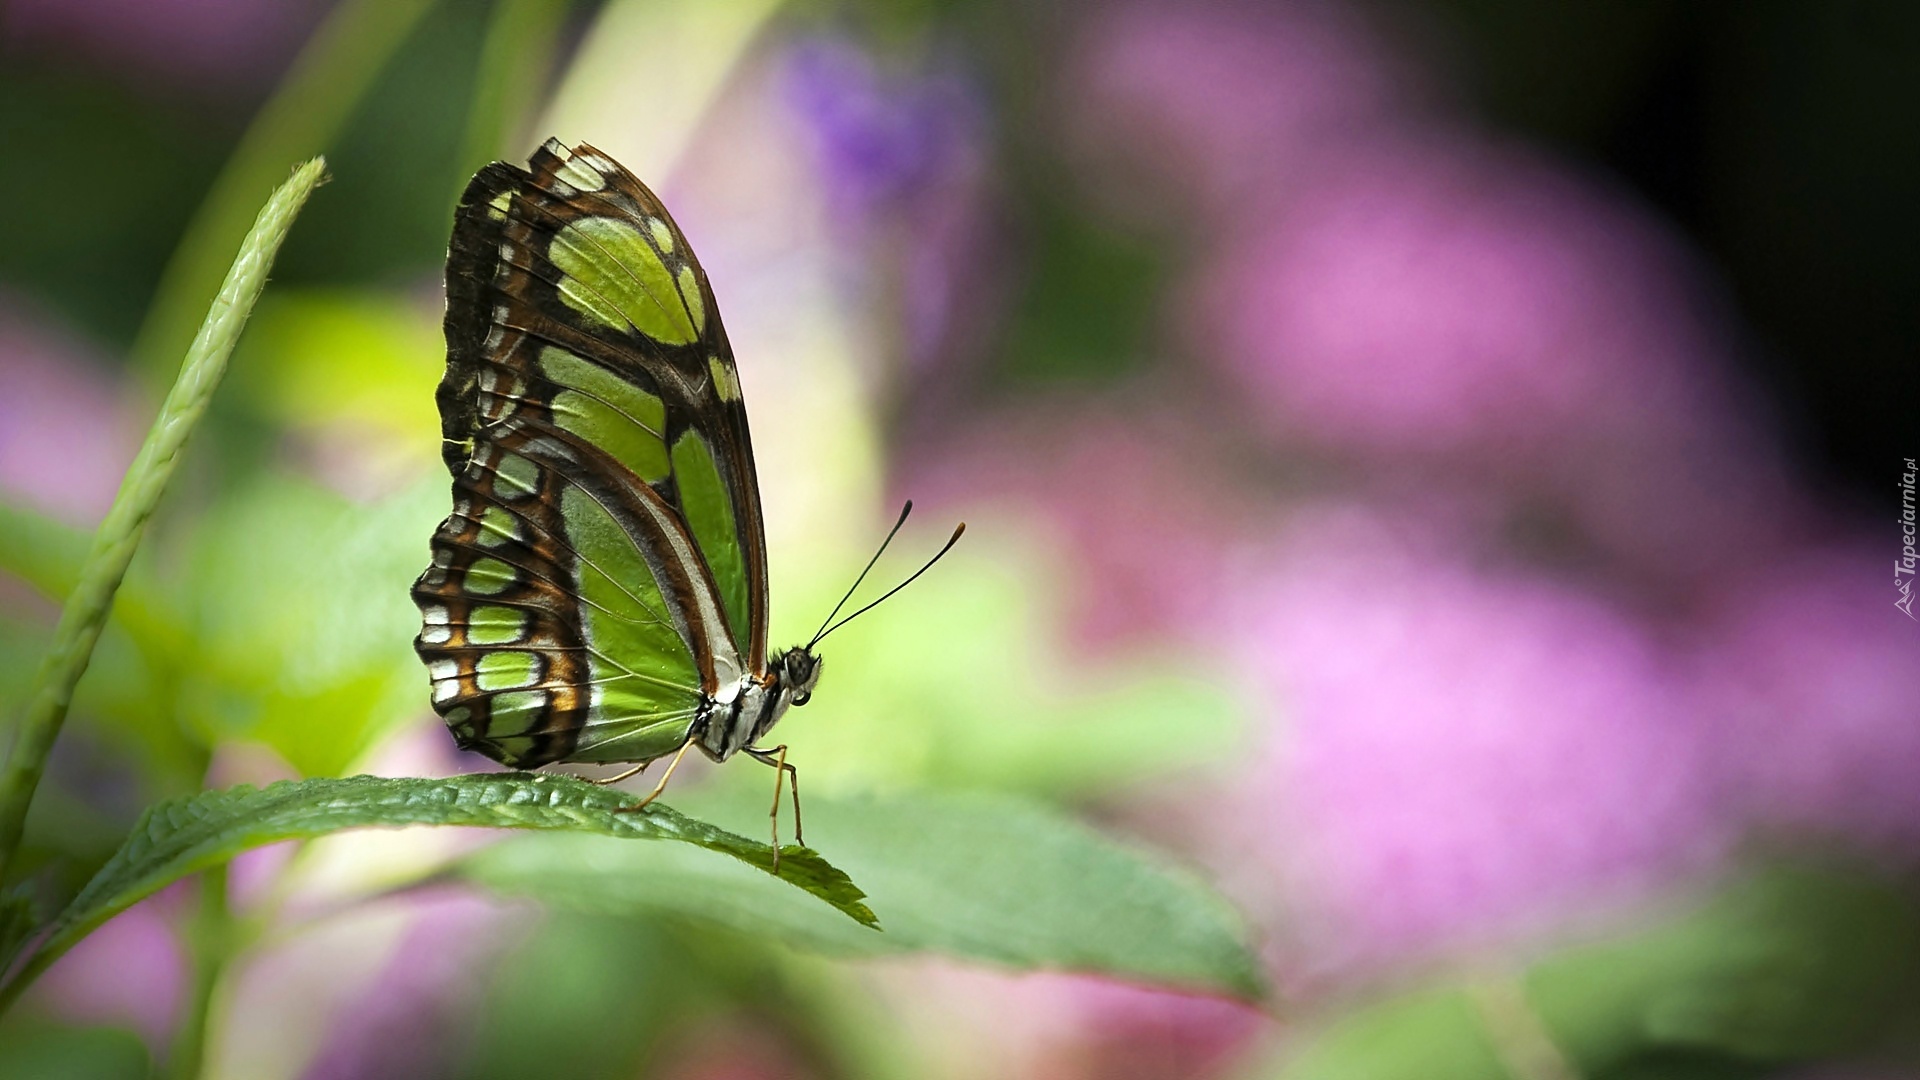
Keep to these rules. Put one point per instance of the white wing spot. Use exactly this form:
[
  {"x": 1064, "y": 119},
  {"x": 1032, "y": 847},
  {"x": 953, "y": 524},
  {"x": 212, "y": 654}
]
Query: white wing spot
[{"x": 582, "y": 175}]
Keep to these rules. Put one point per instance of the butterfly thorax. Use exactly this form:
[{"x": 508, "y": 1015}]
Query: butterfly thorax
[{"x": 741, "y": 714}]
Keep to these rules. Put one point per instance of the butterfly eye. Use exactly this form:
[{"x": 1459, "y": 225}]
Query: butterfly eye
[{"x": 802, "y": 698}]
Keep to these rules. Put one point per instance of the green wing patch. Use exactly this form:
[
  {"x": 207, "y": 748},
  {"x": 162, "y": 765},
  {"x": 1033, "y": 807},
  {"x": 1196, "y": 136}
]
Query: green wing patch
[{"x": 611, "y": 272}]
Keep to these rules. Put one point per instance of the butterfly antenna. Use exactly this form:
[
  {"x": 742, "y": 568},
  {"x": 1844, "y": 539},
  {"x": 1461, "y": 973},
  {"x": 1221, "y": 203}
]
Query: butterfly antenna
[
  {"x": 948, "y": 546},
  {"x": 822, "y": 632}
]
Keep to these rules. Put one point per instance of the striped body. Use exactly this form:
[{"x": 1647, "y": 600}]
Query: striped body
[{"x": 599, "y": 593}]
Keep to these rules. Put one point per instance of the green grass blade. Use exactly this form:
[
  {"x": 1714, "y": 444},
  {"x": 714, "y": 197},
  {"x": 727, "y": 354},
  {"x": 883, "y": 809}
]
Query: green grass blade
[
  {"x": 182, "y": 836},
  {"x": 146, "y": 480},
  {"x": 986, "y": 878}
]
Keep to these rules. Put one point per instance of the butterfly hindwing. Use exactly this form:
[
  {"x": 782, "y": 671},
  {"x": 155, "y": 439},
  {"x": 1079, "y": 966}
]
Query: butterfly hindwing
[{"x": 604, "y": 570}]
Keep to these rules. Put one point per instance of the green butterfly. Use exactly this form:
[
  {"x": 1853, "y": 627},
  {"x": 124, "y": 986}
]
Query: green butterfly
[{"x": 599, "y": 593}]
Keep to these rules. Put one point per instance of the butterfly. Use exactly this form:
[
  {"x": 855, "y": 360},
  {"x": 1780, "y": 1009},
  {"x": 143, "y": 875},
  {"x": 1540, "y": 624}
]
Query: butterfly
[{"x": 599, "y": 592}]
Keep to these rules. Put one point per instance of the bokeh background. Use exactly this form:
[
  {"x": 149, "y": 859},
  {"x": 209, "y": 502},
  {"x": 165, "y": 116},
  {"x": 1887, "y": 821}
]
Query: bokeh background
[{"x": 1432, "y": 467}]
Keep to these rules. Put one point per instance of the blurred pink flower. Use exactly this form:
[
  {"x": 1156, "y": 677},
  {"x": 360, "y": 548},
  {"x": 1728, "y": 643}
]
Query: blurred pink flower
[
  {"x": 1060, "y": 1026},
  {"x": 66, "y": 431},
  {"x": 1142, "y": 513},
  {"x": 1442, "y": 297},
  {"x": 1224, "y": 100},
  {"x": 132, "y": 972},
  {"x": 214, "y": 43},
  {"x": 1454, "y": 310},
  {"x": 1466, "y": 754},
  {"x": 1809, "y": 679},
  {"x": 1126, "y": 1032}
]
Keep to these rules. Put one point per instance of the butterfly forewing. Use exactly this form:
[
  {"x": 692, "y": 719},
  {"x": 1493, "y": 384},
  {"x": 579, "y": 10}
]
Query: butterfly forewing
[{"x": 603, "y": 572}]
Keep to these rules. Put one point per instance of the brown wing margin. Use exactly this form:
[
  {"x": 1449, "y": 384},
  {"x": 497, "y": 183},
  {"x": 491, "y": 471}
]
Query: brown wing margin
[{"x": 473, "y": 256}]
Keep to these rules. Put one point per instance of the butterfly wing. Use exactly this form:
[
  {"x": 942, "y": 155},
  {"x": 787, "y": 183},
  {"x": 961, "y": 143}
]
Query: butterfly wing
[{"x": 603, "y": 573}]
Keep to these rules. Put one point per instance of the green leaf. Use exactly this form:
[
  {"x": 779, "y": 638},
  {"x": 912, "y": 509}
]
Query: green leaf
[
  {"x": 16, "y": 922},
  {"x": 264, "y": 668},
  {"x": 1426, "y": 1034},
  {"x": 40, "y": 1050},
  {"x": 1785, "y": 963},
  {"x": 361, "y": 359},
  {"x": 181, "y": 836},
  {"x": 48, "y": 555},
  {"x": 987, "y": 878},
  {"x": 40, "y": 551},
  {"x": 1790, "y": 962}
]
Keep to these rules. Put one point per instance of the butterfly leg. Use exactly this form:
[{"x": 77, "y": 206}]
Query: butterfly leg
[
  {"x": 616, "y": 778},
  {"x": 777, "y": 757},
  {"x": 664, "y": 777}
]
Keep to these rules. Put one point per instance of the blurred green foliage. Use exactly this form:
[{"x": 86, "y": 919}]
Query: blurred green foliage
[
  {"x": 98, "y": 268},
  {"x": 1794, "y": 961},
  {"x": 271, "y": 611}
]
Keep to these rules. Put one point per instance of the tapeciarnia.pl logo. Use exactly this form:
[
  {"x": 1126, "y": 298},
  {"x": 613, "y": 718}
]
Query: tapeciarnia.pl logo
[{"x": 1903, "y": 566}]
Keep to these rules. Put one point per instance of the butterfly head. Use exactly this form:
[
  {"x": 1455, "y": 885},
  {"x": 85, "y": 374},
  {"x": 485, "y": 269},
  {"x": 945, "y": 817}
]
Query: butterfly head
[{"x": 799, "y": 671}]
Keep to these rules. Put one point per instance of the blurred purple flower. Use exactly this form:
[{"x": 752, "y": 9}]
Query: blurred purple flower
[
  {"x": 880, "y": 139},
  {"x": 215, "y": 43},
  {"x": 410, "y": 1020},
  {"x": 66, "y": 432},
  {"x": 131, "y": 971},
  {"x": 1225, "y": 100},
  {"x": 949, "y": 284},
  {"x": 899, "y": 157},
  {"x": 1467, "y": 754},
  {"x": 1808, "y": 677}
]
